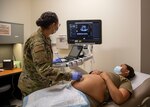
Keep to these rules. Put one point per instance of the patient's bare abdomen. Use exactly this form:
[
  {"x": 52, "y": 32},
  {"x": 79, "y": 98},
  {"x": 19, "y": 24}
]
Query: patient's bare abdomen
[{"x": 93, "y": 85}]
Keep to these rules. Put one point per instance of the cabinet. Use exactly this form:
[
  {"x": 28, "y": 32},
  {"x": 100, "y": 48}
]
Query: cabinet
[{"x": 16, "y": 33}]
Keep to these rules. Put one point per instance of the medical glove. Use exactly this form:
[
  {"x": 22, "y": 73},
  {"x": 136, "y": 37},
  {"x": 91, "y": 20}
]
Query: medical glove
[
  {"x": 117, "y": 69},
  {"x": 76, "y": 75},
  {"x": 57, "y": 60}
]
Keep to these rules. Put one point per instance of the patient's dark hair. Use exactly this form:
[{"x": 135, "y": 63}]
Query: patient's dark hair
[
  {"x": 46, "y": 19},
  {"x": 131, "y": 72}
]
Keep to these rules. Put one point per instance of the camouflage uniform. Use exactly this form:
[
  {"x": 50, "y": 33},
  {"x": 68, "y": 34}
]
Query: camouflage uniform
[{"x": 38, "y": 72}]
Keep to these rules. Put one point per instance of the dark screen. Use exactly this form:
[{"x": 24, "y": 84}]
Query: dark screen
[
  {"x": 84, "y": 31},
  {"x": 75, "y": 51}
]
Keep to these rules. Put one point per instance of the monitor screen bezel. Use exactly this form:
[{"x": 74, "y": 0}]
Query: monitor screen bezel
[{"x": 99, "y": 41}]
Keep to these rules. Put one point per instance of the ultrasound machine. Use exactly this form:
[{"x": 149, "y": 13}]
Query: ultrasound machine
[{"x": 82, "y": 35}]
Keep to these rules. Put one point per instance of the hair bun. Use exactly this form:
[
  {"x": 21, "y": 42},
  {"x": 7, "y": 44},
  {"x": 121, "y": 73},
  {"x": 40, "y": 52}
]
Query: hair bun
[{"x": 39, "y": 22}]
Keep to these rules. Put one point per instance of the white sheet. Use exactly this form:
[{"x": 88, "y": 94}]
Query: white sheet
[
  {"x": 138, "y": 79},
  {"x": 57, "y": 96}
]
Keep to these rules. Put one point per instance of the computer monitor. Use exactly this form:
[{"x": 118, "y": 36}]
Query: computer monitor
[
  {"x": 75, "y": 51},
  {"x": 84, "y": 31}
]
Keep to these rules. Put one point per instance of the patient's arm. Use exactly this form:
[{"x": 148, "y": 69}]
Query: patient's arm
[
  {"x": 120, "y": 95},
  {"x": 93, "y": 85}
]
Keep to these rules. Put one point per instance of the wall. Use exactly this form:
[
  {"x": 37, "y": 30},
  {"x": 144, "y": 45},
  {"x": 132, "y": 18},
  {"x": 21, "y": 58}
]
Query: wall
[
  {"x": 145, "y": 36},
  {"x": 120, "y": 27},
  {"x": 17, "y": 11}
]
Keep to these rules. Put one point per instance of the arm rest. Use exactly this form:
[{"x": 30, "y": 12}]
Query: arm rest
[{"x": 5, "y": 88}]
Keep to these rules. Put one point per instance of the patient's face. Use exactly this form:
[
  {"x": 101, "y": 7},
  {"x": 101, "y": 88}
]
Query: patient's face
[{"x": 124, "y": 70}]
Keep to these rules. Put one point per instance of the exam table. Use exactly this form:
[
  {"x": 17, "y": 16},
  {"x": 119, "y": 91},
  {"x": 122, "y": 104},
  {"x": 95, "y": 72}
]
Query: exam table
[{"x": 139, "y": 98}]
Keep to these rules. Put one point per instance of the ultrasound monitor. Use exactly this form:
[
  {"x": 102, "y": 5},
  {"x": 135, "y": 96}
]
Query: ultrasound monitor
[{"x": 84, "y": 31}]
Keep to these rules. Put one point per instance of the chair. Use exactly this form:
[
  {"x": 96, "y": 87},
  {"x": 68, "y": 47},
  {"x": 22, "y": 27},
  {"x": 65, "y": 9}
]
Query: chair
[
  {"x": 4, "y": 94},
  {"x": 5, "y": 88}
]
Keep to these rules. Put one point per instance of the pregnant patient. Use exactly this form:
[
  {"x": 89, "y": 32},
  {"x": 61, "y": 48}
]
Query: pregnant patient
[{"x": 100, "y": 86}]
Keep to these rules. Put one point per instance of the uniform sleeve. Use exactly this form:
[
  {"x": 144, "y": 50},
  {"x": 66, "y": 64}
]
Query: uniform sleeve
[
  {"x": 43, "y": 65},
  {"x": 126, "y": 84}
]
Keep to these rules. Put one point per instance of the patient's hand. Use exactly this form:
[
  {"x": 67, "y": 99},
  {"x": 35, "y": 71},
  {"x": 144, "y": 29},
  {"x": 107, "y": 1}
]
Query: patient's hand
[{"x": 104, "y": 75}]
